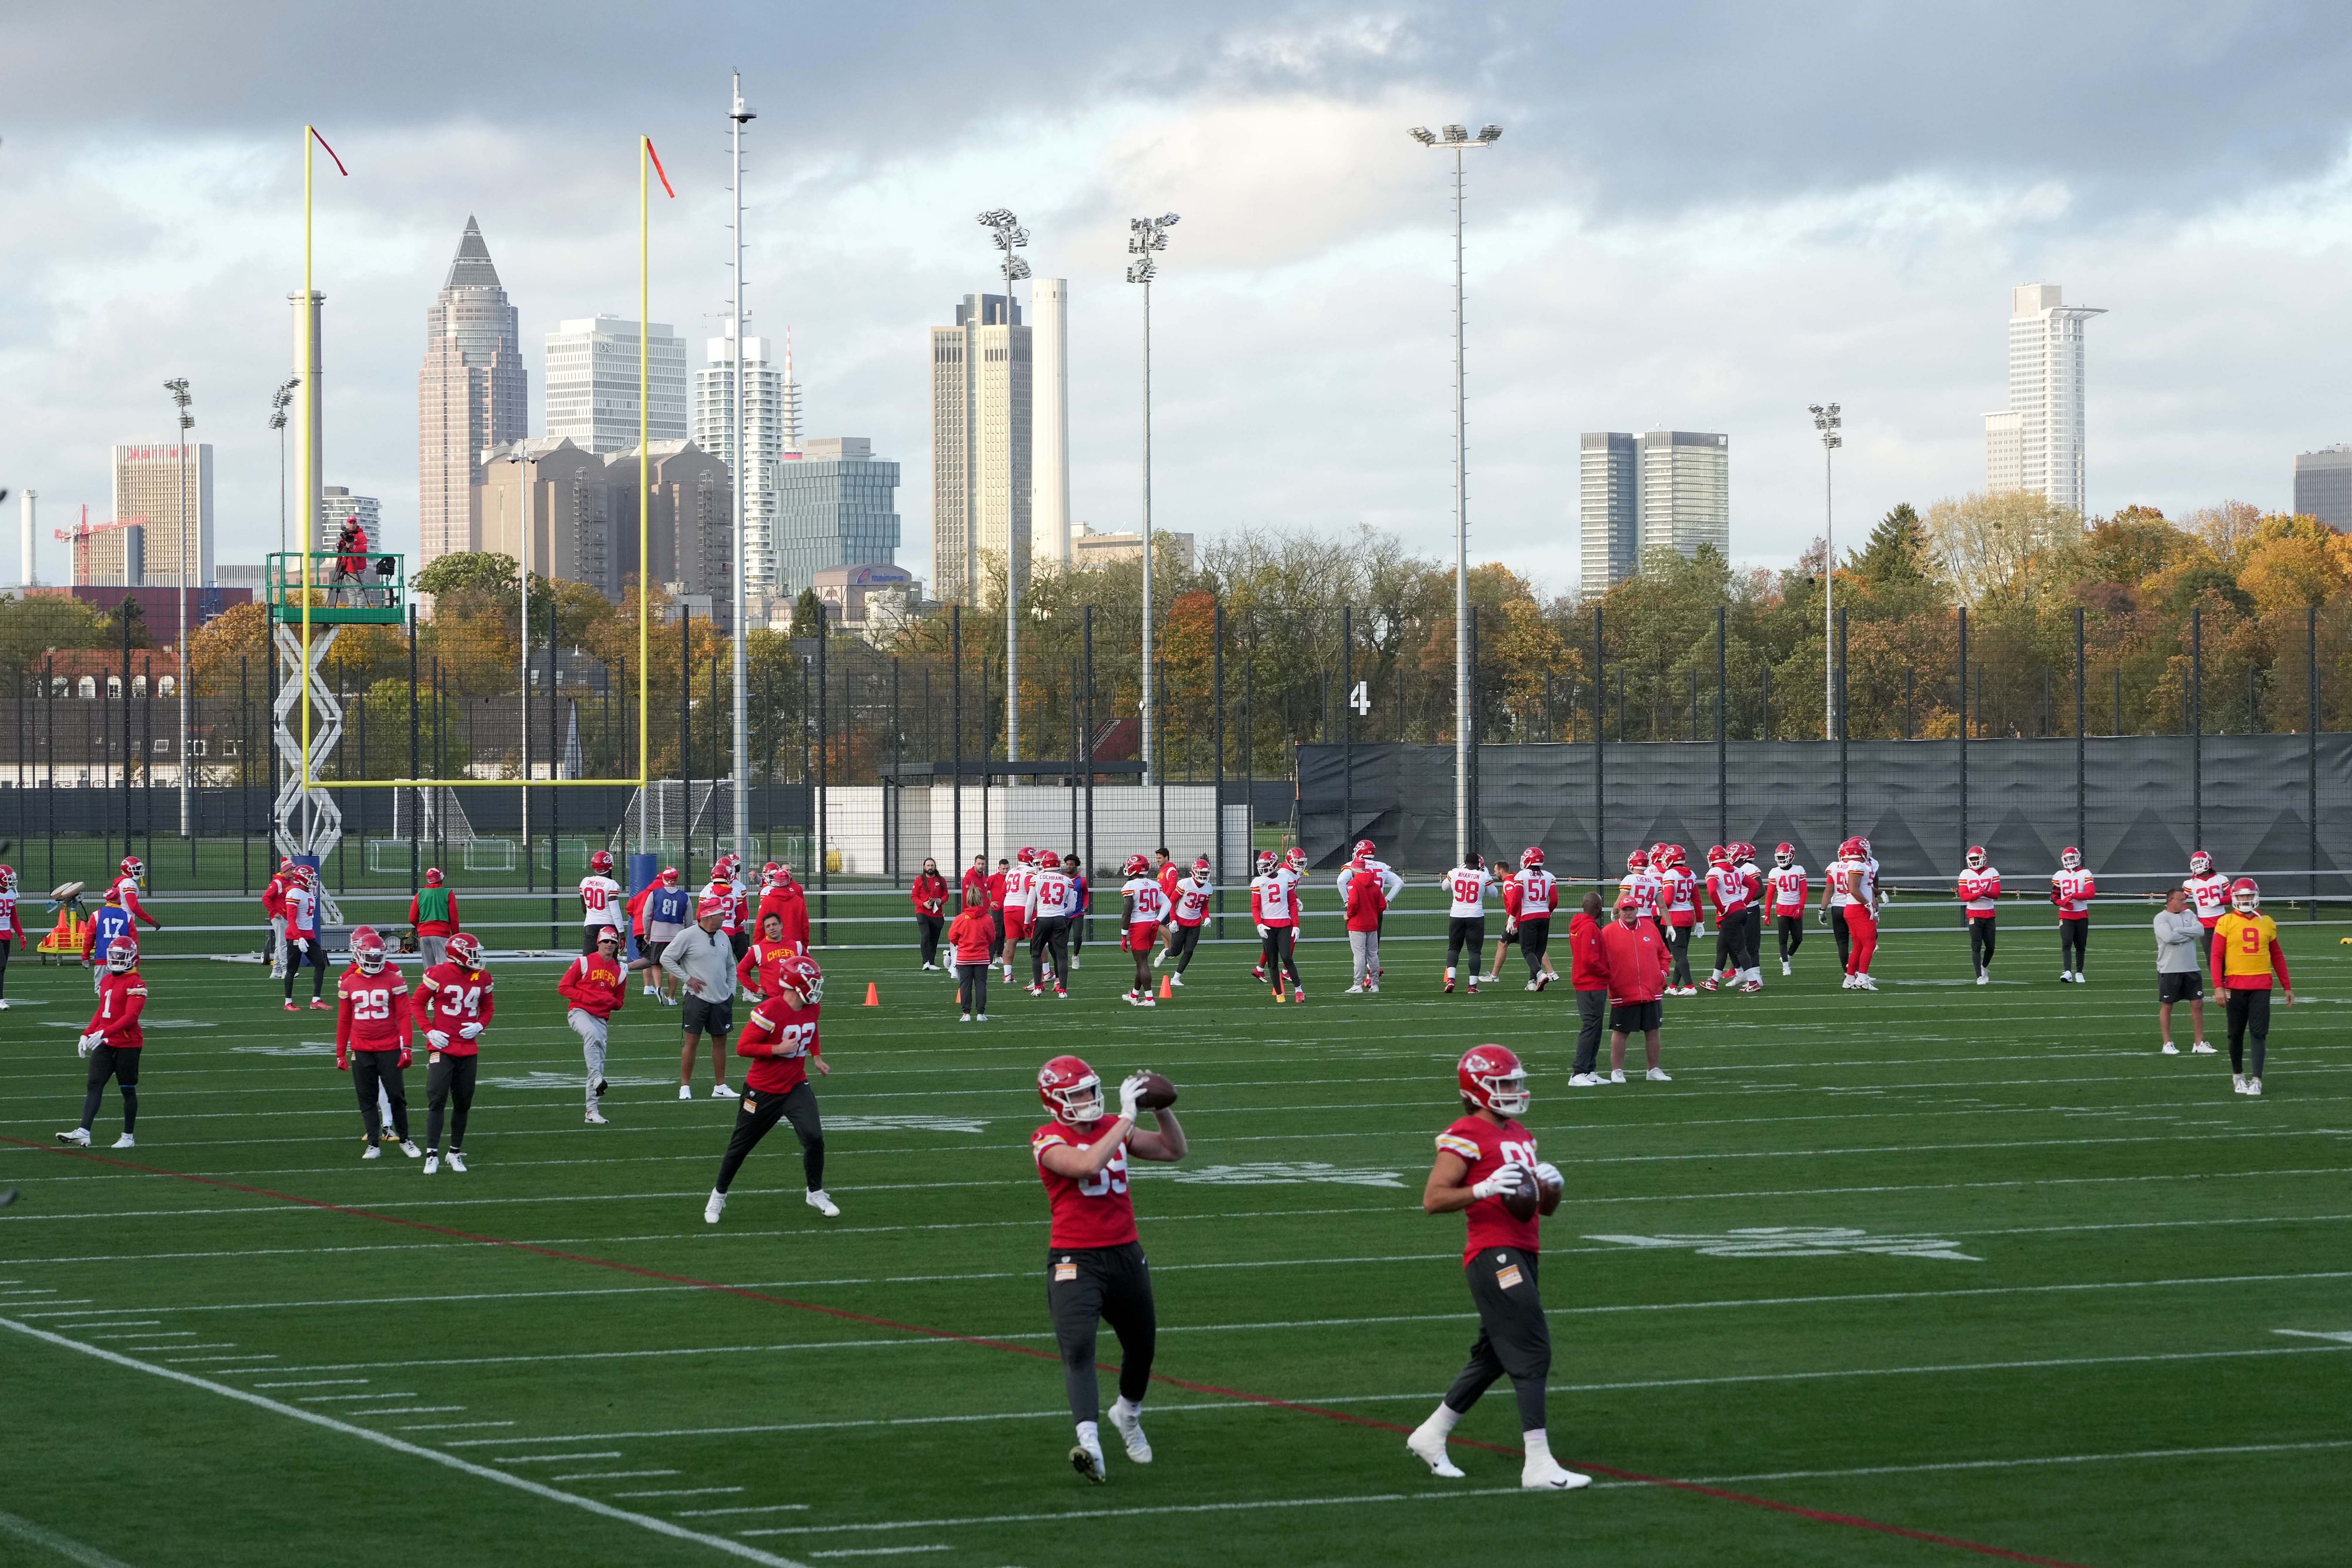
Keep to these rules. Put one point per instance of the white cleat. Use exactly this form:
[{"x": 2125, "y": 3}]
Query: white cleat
[
  {"x": 1864, "y": 983},
  {"x": 458, "y": 1161},
  {"x": 1583, "y": 1080},
  {"x": 77, "y": 1137},
  {"x": 126, "y": 1142},
  {"x": 1784, "y": 968},
  {"x": 433, "y": 1164},
  {"x": 1129, "y": 1421},
  {"x": 408, "y": 1146},
  {"x": 370, "y": 1153},
  {"x": 980, "y": 1018},
  {"x": 965, "y": 1018},
  {"x": 1983, "y": 978},
  {"x": 2238, "y": 1083},
  {"x": 1430, "y": 1449},
  {"x": 1657, "y": 1075},
  {"x": 2201, "y": 1049},
  {"x": 823, "y": 1203},
  {"x": 2254, "y": 1087},
  {"x": 1535, "y": 986},
  {"x": 1177, "y": 981},
  {"x": 2065, "y": 977},
  {"x": 685, "y": 1091},
  {"x": 1147, "y": 1001},
  {"x": 1372, "y": 990},
  {"x": 595, "y": 1117},
  {"x": 1616, "y": 1075},
  {"x": 1355, "y": 990},
  {"x": 1545, "y": 1475},
  {"x": 2169, "y": 1050},
  {"x": 715, "y": 1208},
  {"x": 1088, "y": 1462},
  {"x": 1846, "y": 984},
  {"x": 722, "y": 1091}
]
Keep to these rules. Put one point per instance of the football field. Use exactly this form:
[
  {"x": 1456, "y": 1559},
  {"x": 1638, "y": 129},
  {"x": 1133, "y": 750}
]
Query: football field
[{"x": 1941, "y": 1274}]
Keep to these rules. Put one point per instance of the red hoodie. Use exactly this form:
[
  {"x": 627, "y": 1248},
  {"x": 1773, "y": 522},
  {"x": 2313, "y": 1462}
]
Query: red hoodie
[{"x": 1588, "y": 961}]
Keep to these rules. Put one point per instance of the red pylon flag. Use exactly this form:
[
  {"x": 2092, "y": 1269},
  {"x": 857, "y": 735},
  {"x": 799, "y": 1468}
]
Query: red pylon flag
[
  {"x": 659, "y": 170},
  {"x": 346, "y": 174}
]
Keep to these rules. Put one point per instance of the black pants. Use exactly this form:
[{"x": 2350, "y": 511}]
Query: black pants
[
  {"x": 1592, "y": 1012},
  {"x": 1462, "y": 933},
  {"x": 1844, "y": 934},
  {"x": 996, "y": 918},
  {"x": 1751, "y": 934},
  {"x": 5, "y": 945},
  {"x": 449, "y": 1081},
  {"x": 2249, "y": 1013},
  {"x": 298, "y": 948},
  {"x": 1088, "y": 1286},
  {"x": 369, "y": 1070},
  {"x": 1050, "y": 938},
  {"x": 1514, "y": 1338},
  {"x": 972, "y": 988},
  {"x": 121, "y": 1064},
  {"x": 1791, "y": 929},
  {"x": 1980, "y": 936},
  {"x": 929, "y": 927},
  {"x": 1077, "y": 932},
  {"x": 1279, "y": 956},
  {"x": 2073, "y": 937},
  {"x": 1726, "y": 945},
  {"x": 756, "y": 1113},
  {"x": 1183, "y": 942},
  {"x": 1678, "y": 940},
  {"x": 1535, "y": 940}
]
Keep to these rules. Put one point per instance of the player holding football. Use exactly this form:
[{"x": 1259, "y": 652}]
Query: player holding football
[
  {"x": 1274, "y": 906},
  {"x": 2071, "y": 889},
  {"x": 1485, "y": 1159},
  {"x": 929, "y": 896},
  {"x": 1094, "y": 1270},
  {"x": 1143, "y": 909},
  {"x": 593, "y": 988},
  {"x": 599, "y": 900},
  {"x": 1785, "y": 890},
  {"x": 372, "y": 1038},
  {"x": 1191, "y": 900},
  {"x": 1467, "y": 887},
  {"x": 113, "y": 1042},
  {"x": 2246, "y": 955},
  {"x": 453, "y": 1005},
  {"x": 781, "y": 1042},
  {"x": 2209, "y": 890},
  {"x": 1978, "y": 891}
]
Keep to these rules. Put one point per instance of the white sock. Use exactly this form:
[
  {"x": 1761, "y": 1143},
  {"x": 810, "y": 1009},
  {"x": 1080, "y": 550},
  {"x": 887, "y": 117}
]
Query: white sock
[
  {"x": 1539, "y": 1446},
  {"x": 1126, "y": 1408},
  {"x": 1090, "y": 1437},
  {"x": 1442, "y": 1420}
]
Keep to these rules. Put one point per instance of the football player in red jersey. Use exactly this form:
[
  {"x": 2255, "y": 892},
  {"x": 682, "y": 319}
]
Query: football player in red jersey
[
  {"x": 780, "y": 1042},
  {"x": 113, "y": 1041},
  {"x": 593, "y": 988},
  {"x": 1483, "y": 1158},
  {"x": 453, "y": 1004},
  {"x": 372, "y": 1036},
  {"x": 1978, "y": 888},
  {"x": 1095, "y": 1269},
  {"x": 2072, "y": 888}
]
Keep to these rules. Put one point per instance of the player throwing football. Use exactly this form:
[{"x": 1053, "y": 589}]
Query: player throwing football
[
  {"x": 1483, "y": 1159},
  {"x": 1095, "y": 1269}
]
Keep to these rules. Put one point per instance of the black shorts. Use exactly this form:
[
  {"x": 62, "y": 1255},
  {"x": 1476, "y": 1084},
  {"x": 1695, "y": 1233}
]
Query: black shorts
[
  {"x": 741, "y": 942},
  {"x": 1637, "y": 1017},
  {"x": 703, "y": 1016},
  {"x": 2185, "y": 986}
]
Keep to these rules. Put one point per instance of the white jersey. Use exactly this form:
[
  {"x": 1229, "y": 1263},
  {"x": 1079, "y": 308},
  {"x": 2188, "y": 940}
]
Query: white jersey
[
  {"x": 1150, "y": 901},
  {"x": 600, "y": 901},
  {"x": 1853, "y": 881},
  {"x": 1051, "y": 894},
  {"x": 301, "y": 911},
  {"x": 8, "y": 914},
  {"x": 2208, "y": 896},
  {"x": 1467, "y": 886},
  {"x": 1538, "y": 891},
  {"x": 1020, "y": 888},
  {"x": 1643, "y": 890},
  {"x": 1390, "y": 883},
  {"x": 1192, "y": 893},
  {"x": 1784, "y": 889},
  {"x": 1270, "y": 897}
]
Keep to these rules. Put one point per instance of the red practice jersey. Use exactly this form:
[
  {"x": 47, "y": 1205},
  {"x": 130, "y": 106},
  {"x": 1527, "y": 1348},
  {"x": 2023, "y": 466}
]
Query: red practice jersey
[
  {"x": 1097, "y": 1211},
  {"x": 372, "y": 1012},
  {"x": 595, "y": 984},
  {"x": 1487, "y": 1148},
  {"x": 777, "y": 1019},
  {"x": 448, "y": 998},
  {"x": 120, "y": 999},
  {"x": 2071, "y": 892}
]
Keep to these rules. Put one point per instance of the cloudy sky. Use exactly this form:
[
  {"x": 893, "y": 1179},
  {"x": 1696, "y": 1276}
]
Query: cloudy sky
[{"x": 1703, "y": 216}]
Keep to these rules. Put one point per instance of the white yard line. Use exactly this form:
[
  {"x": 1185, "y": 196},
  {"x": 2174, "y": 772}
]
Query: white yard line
[
  {"x": 611, "y": 1475},
  {"x": 746, "y": 1508},
  {"x": 417, "y": 1410},
  {"x": 384, "y": 1440},
  {"x": 545, "y": 1458},
  {"x": 2015, "y": 1464},
  {"x": 65, "y": 1546},
  {"x": 879, "y": 1551},
  {"x": 684, "y": 1492},
  {"x": 1448, "y": 1495},
  {"x": 333, "y": 1398},
  {"x": 313, "y": 1383},
  {"x": 454, "y": 1425}
]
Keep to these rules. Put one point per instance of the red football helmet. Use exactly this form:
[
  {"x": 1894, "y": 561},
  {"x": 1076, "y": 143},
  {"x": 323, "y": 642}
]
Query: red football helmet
[
  {"x": 1638, "y": 861},
  {"x": 801, "y": 973},
  {"x": 1296, "y": 859},
  {"x": 1071, "y": 1090},
  {"x": 1864, "y": 839},
  {"x": 1715, "y": 853},
  {"x": 1976, "y": 857},
  {"x": 1140, "y": 865},
  {"x": 1784, "y": 855},
  {"x": 7, "y": 879},
  {"x": 1364, "y": 848},
  {"x": 465, "y": 950},
  {"x": 367, "y": 950},
  {"x": 123, "y": 954},
  {"x": 771, "y": 874},
  {"x": 308, "y": 875},
  {"x": 2244, "y": 896},
  {"x": 601, "y": 863},
  {"x": 1675, "y": 857},
  {"x": 1051, "y": 859},
  {"x": 2071, "y": 859},
  {"x": 133, "y": 867},
  {"x": 1531, "y": 856},
  {"x": 433, "y": 876},
  {"x": 1200, "y": 866},
  {"x": 1026, "y": 857},
  {"x": 2200, "y": 862},
  {"x": 670, "y": 874},
  {"x": 1493, "y": 1079},
  {"x": 1264, "y": 862}
]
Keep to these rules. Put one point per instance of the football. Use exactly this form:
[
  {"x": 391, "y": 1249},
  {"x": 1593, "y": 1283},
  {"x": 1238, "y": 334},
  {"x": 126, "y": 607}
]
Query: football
[
  {"x": 1549, "y": 1194},
  {"x": 1520, "y": 1203},
  {"x": 1158, "y": 1092}
]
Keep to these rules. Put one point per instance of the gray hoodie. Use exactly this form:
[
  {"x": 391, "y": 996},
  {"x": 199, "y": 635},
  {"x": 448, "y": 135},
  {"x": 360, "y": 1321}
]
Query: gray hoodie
[{"x": 2178, "y": 938}]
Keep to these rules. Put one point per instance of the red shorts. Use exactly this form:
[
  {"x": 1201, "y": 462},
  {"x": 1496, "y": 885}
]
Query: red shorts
[
  {"x": 1017, "y": 925},
  {"x": 1141, "y": 935}
]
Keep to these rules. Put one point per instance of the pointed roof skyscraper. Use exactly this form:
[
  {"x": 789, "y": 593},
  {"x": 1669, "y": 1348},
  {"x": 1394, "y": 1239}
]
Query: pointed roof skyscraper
[
  {"x": 472, "y": 395},
  {"x": 471, "y": 267}
]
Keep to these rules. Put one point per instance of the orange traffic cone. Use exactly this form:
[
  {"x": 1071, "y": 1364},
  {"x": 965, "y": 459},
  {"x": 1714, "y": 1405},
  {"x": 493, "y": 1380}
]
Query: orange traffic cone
[
  {"x": 873, "y": 995},
  {"x": 1167, "y": 991}
]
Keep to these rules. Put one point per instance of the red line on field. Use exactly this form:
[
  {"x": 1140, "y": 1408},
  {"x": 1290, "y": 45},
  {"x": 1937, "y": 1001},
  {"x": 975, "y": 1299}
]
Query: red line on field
[{"x": 1855, "y": 1521}]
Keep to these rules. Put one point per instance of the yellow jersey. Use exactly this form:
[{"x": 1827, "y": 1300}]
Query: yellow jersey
[{"x": 2244, "y": 948}]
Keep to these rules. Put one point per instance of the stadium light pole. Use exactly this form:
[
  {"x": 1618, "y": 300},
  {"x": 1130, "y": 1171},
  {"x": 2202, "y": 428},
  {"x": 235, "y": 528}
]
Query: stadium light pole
[
  {"x": 1827, "y": 421},
  {"x": 738, "y": 116},
  {"x": 1007, "y": 234},
  {"x": 280, "y": 402},
  {"x": 1146, "y": 237},
  {"x": 1458, "y": 141},
  {"x": 178, "y": 387}
]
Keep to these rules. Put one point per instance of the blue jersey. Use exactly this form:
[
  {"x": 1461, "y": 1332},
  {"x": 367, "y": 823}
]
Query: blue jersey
[
  {"x": 668, "y": 905},
  {"x": 111, "y": 921},
  {"x": 1085, "y": 894}
]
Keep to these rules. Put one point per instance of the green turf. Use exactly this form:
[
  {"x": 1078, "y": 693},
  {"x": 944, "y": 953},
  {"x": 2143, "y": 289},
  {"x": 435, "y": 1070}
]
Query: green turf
[{"x": 2135, "y": 1237}]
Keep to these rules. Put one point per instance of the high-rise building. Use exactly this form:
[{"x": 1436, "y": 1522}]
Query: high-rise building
[
  {"x": 837, "y": 505},
  {"x": 2323, "y": 485},
  {"x": 154, "y": 485},
  {"x": 336, "y": 503},
  {"x": 1660, "y": 489},
  {"x": 109, "y": 555},
  {"x": 2036, "y": 443},
  {"x": 472, "y": 395},
  {"x": 582, "y": 512},
  {"x": 770, "y": 434},
  {"x": 1609, "y": 508},
  {"x": 1049, "y": 506},
  {"x": 592, "y": 382},
  {"x": 981, "y": 405}
]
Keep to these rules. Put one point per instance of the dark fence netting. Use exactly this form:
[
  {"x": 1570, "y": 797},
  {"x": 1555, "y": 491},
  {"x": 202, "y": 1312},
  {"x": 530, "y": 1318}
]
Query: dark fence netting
[{"x": 2274, "y": 805}]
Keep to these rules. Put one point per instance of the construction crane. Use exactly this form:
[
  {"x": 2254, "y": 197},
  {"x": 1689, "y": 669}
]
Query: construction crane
[{"x": 81, "y": 535}]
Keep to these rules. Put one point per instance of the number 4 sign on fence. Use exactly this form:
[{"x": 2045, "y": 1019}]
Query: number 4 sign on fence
[{"x": 1361, "y": 699}]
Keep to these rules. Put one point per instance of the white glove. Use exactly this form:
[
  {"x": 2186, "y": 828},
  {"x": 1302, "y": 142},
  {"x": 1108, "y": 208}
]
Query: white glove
[
  {"x": 86, "y": 1044},
  {"x": 1129, "y": 1093},
  {"x": 1508, "y": 1179},
  {"x": 1261, "y": 932},
  {"x": 1548, "y": 1174},
  {"x": 470, "y": 1031},
  {"x": 437, "y": 1040}
]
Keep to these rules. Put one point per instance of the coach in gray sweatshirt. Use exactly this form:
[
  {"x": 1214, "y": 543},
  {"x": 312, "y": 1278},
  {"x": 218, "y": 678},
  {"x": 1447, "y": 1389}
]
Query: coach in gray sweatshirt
[
  {"x": 704, "y": 961},
  {"x": 2180, "y": 971}
]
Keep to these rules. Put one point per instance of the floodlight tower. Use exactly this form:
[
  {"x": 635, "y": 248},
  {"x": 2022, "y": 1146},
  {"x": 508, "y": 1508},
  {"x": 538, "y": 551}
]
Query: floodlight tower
[
  {"x": 1007, "y": 234},
  {"x": 1146, "y": 237},
  {"x": 1827, "y": 421},
  {"x": 178, "y": 387}
]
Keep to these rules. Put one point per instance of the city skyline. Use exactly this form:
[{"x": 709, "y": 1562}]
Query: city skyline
[
  {"x": 1657, "y": 489},
  {"x": 589, "y": 382},
  {"x": 772, "y": 429},
  {"x": 2038, "y": 440},
  {"x": 473, "y": 394}
]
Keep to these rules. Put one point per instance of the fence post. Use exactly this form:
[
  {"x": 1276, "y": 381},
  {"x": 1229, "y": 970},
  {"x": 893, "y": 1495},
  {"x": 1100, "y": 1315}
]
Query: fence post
[
  {"x": 126, "y": 735},
  {"x": 1217, "y": 739},
  {"x": 1764, "y": 718},
  {"x": 244, "y": 797},
  {"x": 2197, "y": 726},
  {"x": 2311, "y": 748},
  {"x": 415, "y": 742},
  {"x": 685, "y": 748},
  {"x": 1845, "y": 730},
  {"x": 1471, "y": 794},
  {"x": 1962, "y": 709},
  {"x": 1087, "y": 636},
  {"x": 1722, "y": 742},
  {"x": 894, "y": 863},
  {"x": 1600, "y": 752},
  {"x": 955, "y": 727},
  {"x": 1347, "y": 722},
  {"x": 2082, "y": 807},
  {"x": 824, "y": 777}
]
